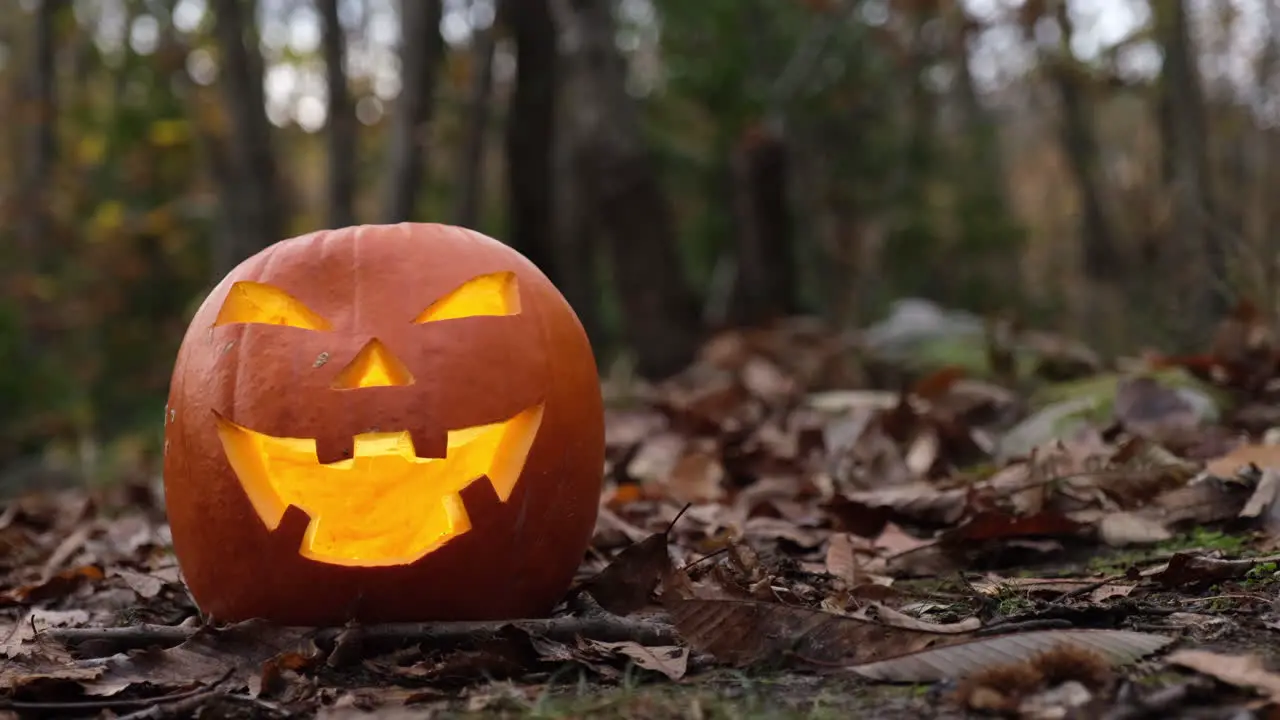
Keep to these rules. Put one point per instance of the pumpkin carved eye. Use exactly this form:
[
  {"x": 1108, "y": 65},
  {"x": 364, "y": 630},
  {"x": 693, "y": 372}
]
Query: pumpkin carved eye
[
  {"x": 493, "y": 294},
  {"x": 253, "y": 302}
]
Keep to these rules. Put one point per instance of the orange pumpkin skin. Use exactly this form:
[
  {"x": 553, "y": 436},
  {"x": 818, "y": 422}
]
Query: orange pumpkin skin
[{"x": 366, "y": 282}]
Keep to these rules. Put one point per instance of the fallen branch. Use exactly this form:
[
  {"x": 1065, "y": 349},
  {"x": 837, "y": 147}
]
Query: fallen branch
[
  {"x": 203, "y": 693},
  {"x": 128, "y": 638},
  {"x": 606, "y": 628}
]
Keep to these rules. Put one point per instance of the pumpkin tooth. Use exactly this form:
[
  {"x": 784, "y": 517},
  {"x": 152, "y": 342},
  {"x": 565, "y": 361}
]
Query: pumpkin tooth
[
  {"x": 428, "y": 445},
  {"x": 332, "y": 447}
]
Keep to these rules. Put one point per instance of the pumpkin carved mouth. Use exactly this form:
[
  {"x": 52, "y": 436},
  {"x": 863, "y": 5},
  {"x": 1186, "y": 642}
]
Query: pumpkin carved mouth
[{"x": 385, "y": 505}]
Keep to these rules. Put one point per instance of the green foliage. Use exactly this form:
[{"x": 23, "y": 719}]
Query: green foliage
[{"x": 886, "y": 199}]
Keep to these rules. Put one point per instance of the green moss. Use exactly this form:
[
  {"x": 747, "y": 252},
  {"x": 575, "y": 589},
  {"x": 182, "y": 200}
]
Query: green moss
[
  {"x": 1206, "y": 539},
  {"x": 1011, "y": 601},
  {"x": 1104, "y": 386}
]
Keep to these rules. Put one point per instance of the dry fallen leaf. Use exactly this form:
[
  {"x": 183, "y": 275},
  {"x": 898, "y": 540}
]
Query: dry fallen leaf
[
  {"x": 889, "y": 616},
  {"x": 1187, "y": 569},
  {"x": 625, "y": 585},
  {"x": 963, "y": 659},
  {"x": 745, "y": 632},
  {"x": 1244, "y": 671},
  {"x": 1240, "y": 457},
  {"x": 1119, "y": 529},
  {"x": 841, "y": 561},
  {"x": 1052, "y": 587},
  {"x": 672, "y": 661},
  {"x": 1152, "y": 410}
]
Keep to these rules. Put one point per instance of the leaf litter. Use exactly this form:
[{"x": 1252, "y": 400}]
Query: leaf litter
[{"x": 797, "y": 503}]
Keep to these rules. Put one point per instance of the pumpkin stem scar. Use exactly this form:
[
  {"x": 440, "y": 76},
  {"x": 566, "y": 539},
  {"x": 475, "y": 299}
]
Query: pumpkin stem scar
[{"x": 384, "y": 505}]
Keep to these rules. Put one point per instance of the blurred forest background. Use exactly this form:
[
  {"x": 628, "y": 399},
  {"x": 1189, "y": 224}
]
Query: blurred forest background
[{"x": 1104, "y": 168}]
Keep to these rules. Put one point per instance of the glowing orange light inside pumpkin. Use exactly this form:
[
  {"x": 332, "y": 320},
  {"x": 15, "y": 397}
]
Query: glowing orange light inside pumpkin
[
  {"x": 252, "y": 302},
  {"x": 385, "y": 505},
  {"x": 495, "y": 294},
  {"x": 373, "y": 366}
]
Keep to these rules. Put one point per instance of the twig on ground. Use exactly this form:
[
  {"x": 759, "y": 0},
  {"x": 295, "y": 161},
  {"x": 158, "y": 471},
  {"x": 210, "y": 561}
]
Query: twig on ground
[
  {"x": 185, "y": 707},
  {"x": 608, "y": 628},
  {"x": 1087, "y": 589},
  {"x": 1005, "y": 628},
  {"x": 117, "y": 704},
  {"x": 130, "y": 637}
]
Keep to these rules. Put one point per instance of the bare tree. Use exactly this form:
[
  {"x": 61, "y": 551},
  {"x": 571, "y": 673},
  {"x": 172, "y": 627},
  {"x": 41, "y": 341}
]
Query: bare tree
[
  {"x": 475, "y": 129},
  {"x": 1102, "y": 257},
  {"x": 765, "y": 286},
  {"x": 616, "y": 177},
  {"x": 1187, "y": 167},
  {"x": 41, "y": 150},
  {"x": 421, "y": 47},
  {"x": 529, "y": 130},
  {"x": 342, "y": 120},
  {"x": 253, "y": 210},
  {"x": 577, "y": 252}
]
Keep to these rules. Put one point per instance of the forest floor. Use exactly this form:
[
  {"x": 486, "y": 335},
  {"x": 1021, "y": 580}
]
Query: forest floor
[{"x": 931, "y": 519}]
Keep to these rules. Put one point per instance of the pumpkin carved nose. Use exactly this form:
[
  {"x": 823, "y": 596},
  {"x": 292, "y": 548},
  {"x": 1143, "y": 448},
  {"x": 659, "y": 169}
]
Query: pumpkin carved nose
[{"x": 373, "y": 366}]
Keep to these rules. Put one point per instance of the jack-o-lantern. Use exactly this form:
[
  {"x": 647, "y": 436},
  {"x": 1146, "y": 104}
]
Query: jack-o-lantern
[{"x": 383, "y": 423}]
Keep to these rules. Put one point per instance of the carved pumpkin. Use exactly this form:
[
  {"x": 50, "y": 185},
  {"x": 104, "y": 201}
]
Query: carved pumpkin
[{"x": 383, "y": 423}]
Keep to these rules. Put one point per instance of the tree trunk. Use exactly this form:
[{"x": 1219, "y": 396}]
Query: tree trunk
[
  {"x": 470, "y": 172},
  {"x": 1102, "y": 259},
  {"x": 41, "y": 135},
  {"x": 529, "y": 131},
  {"x": 576, "y": 250},
  {"x": 1197, "y": 246},
  {"x": 765, "y": 286},
  {"x": 342, "y": 121},
  {"x": 253, "y": 207},
  {"x": 617, "y": 179},
  {"x": 421, "y": 47}
]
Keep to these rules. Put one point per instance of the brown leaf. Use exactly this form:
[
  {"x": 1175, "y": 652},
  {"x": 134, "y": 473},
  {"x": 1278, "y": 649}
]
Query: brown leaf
[
  {"x": 1051, "y": 587},
  {"x": 1240, "y": 457},
  {"x": 766, "y": 381},
  {"x": 656, "y": 457},
  {"x": 964, "y": 659},
  {"x": 274, "y": 679},
  {"x": 697, "y": 476},
  {"x": 779, "y": 529},
  {"x": 1186, "y": 569},
  {"x": 145, "y": 584},
  {"x": 889, "y": 616},
  {"x": 625, "y": 585},
  {"x": 1207, "y": 500},
  {"x": 22, "y": 638},
  {"x": 937, "y": 384},
  {"x": 626, "y": 427},
  {"x": 670, "y": 661},
  {"x": 841, "y": 561},
  {"x": 919, "y": 501},
  {"x": 1244, "y": 671},
  {"x": 1119, "y": 529},
  {"x": 990, "y": 525},
  {"x": 1152, "y": 410},
  {"x": 857, "y": 518},
  {"x": 744, "y": 632},
  {"x": 240, "y": 649},
  {"x": 58, "y": 585},
  {"x": 896, "y": 541}
]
